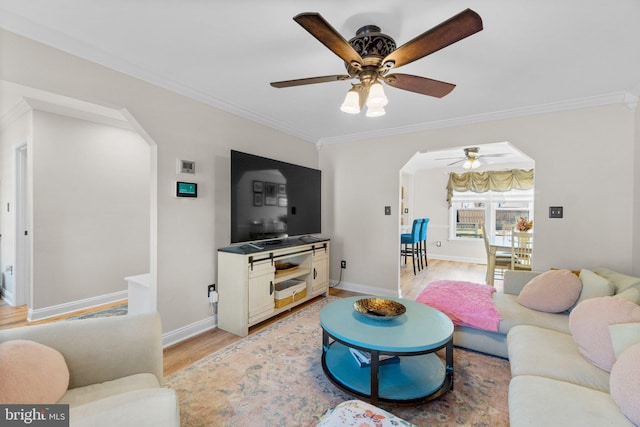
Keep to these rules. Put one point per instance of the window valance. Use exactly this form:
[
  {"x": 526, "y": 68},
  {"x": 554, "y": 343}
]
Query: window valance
[{"x": 480, "y": 182}]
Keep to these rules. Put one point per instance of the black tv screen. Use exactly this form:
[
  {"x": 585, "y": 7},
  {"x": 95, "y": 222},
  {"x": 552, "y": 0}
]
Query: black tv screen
[{"x": 271, "y": 199}]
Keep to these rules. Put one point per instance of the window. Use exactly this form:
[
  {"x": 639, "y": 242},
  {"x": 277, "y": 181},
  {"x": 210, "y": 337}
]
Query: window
[{"x": 470, "y": 212}]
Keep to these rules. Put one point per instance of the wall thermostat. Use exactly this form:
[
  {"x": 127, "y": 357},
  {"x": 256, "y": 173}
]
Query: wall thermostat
[
  {"x": 186, "y": 189},
  {"x": 186, "y": 166}
]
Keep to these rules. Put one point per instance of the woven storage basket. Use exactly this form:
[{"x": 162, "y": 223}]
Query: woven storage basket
[{"x": 289, "y": 291}]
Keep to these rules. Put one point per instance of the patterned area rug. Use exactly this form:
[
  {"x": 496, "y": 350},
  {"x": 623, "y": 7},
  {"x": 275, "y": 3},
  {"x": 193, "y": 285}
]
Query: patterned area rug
[
  {"x": 274, "y": 378},
  {"x": 116, "y": 310}
]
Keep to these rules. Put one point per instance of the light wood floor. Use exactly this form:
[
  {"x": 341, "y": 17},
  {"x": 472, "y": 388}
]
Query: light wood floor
[{"x": 193, "y": 349}]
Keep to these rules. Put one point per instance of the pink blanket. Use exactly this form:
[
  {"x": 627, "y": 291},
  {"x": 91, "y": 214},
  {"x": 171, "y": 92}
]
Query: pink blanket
[{"x": 465, "y": 303}]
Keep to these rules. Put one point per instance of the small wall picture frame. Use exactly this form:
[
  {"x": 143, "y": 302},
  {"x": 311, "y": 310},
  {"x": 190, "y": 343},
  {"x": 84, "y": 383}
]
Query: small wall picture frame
[
  {"x": 282, "y": 189},
  {"x": 282, "y": 202},
  {"x": 257, "y": 199},
  {"x": 258, "y": 186}
]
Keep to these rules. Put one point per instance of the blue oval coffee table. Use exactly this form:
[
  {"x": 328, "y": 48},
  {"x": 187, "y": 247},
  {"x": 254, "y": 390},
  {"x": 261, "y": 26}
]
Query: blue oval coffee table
[{"x": 418, "y": 375}]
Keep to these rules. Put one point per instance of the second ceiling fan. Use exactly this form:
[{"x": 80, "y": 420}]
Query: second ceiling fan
[{"x": 371, "y": 55}]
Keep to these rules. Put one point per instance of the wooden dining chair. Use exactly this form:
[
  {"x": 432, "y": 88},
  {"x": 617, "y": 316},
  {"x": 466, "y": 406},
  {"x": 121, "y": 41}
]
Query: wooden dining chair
[
  {"x": 521, "y": 250},
  {"x": 501, "y": 260}
]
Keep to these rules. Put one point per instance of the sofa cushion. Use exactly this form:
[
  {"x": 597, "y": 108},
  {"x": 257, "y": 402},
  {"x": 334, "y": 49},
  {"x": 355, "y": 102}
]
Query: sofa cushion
[
  {"x": 630, "y": 294},
  {"x": 619, "y": 280},
  {"x": 150, "y": 407},
  {"x": 83, "y": 395},
  {"x": 625, "y": 383},
  {"x": 593, "y": 286},
  {"x": 539, "y": 401},
  {"x": 552, "y": 291},
  {"x": 512, "y": 314},
  {"x": 31, "y": 372},
  {"x": 589, "y": 323},
  {"x": 552, "y": 354},
  {"x": 624, "y": 335}
]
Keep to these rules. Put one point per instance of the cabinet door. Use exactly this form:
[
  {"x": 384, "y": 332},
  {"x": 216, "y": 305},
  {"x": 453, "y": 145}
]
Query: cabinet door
[
  {"x": 261, "y": 291},
  {"x": 320, "y": 281}
]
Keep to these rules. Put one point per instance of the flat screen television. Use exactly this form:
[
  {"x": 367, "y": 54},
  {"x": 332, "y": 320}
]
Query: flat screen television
[{"x": 271, "y": 199}]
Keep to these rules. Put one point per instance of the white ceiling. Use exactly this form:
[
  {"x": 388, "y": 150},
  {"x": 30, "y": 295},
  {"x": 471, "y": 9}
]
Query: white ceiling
[{"x": 532, "y": 56}]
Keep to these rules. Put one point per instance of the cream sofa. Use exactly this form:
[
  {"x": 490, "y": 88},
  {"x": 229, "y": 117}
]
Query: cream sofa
[
  {"x": 552, "y": 384},
  {"x": 513, "y": 314},
  {"x": 115, "y": 369}
]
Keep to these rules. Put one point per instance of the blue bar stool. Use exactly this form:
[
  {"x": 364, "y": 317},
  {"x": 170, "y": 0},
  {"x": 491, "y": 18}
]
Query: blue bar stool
[
  {"x": 412, "y": 239},
  {"x": 423, "y": 241}
]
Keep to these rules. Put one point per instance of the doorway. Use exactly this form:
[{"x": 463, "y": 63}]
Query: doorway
[
  {"x": 22, "y": 262},
  {"x": 422, "y": 186}
]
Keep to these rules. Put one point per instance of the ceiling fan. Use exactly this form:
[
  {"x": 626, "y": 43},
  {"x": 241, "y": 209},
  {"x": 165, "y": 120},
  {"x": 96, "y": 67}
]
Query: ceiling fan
[
  {"x": 370, "y": 55},
  {"x": 471, "y": 158}
]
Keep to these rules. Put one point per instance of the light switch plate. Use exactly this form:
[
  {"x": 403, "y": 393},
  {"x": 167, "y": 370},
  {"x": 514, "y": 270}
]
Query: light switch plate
[{"x": 387, "y": 210}]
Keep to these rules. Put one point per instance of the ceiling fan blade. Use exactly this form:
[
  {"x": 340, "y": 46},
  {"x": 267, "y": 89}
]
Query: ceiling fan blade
[
  {"x": 316, "y": 25},
  {"x": 419, "y": 84},
  {"x": 450, "y": 31},
  {"x": 494, "y": 155},
  {"x": 459, "y": 161},
  {"x": 311, "y": 80}
]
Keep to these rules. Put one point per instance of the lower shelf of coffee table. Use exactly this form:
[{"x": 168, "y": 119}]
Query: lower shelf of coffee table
[{"x": 412, "y": 378}]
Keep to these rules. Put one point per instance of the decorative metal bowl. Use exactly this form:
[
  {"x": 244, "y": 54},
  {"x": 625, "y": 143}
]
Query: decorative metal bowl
[{"x": 379, "y": 308}]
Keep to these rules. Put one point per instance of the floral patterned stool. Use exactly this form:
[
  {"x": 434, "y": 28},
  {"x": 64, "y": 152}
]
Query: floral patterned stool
[{"x": 360, "y": 414}]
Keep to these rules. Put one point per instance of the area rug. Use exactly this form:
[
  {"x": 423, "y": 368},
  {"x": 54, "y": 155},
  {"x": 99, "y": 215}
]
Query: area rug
[
  {"x": 274, "y": 378},
  {"x": 116, "y": 310}
]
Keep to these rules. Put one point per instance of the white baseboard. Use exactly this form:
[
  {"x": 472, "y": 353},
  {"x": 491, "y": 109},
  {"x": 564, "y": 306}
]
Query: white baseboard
[
  {"x": 364, "y": 289},
  {"x": 188, "y": 331},
  {"x": 458, "y": 259},
  {"x": 8, "y": 297},
  {"x": 69, "y": 307}
]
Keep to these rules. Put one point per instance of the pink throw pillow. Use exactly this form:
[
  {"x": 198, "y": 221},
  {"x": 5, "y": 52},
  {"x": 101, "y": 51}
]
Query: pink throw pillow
[
  {"x": 624, "y": 383},
  {"x": 552, "y": 291},
  {"x": 589, "y": 324},
  {"x": 31, "y": 373}
]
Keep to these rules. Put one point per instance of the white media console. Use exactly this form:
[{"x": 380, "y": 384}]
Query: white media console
[{"x": 250, "y": 274}]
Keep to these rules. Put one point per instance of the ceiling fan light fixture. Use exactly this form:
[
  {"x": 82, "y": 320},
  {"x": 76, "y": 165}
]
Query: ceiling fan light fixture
[
  {"x": 351, "y": 104},
  {"x": 471, "y": 164},
  {"x": 375, "y": 111},
  {"x": 377, "y": 98}
]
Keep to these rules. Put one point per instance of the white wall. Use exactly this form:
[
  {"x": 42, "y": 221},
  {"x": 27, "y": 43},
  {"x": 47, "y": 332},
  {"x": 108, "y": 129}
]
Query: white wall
[
  {"x": 584, "y": 162},
  {"x": 90, "y": 209},
  {"x": 189, "y": 231}
]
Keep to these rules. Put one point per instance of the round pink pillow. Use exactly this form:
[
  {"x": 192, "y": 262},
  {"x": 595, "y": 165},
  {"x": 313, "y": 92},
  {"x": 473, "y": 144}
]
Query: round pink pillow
[
  {"x": 552, "y": 291},
  {"x": 624, "y": 383},
  {"x": 589, "y": 324},
  {"x": 31, "y": 373}
]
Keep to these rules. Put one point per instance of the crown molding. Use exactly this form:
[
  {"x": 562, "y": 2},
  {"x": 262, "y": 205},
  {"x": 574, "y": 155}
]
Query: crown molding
[{"x": 575, "y": 104}]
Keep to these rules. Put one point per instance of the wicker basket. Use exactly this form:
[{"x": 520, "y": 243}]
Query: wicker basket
[{"x": 289, "y": 291}]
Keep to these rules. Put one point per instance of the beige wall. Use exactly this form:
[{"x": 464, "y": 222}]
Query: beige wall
[
  {"x": 90, "y": 209},
  {"x": 636, "y": 206},
  {"x": 583, "y": 159},
  {"x": 189, "y": 231}
]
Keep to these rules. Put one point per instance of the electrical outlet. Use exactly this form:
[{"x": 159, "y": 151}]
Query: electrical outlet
[
  {"x": 210, "y": 289},
  {"x": 555, "y": 211},
  {"x": 343, "y": 264}
]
